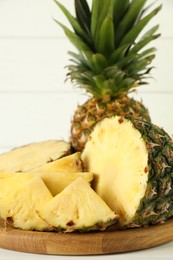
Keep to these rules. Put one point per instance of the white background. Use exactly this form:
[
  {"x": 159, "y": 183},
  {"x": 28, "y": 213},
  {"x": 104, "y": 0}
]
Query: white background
[{"x": 36, "y": 104}]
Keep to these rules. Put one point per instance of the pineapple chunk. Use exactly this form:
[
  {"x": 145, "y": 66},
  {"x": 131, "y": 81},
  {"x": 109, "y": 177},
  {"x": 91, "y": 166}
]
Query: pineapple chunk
[
  {"x": 19, "y": 207},
  {"x": 57, "y": 181},
  {"x": 118, "y": 156},
  {"x": 31, "y": 156},
  {"x": 70, "y": 163},
  {"x": 77, "y": 207}
]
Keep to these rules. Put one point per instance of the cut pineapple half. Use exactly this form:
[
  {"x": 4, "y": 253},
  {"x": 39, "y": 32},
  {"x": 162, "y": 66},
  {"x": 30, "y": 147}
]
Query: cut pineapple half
[
  {"x": 33, "y": 155},
  {"x": 118, "y": 156},
  {"x": 20, "y": 206},
  {"x": 70, "y": 163},
  {"x": 77, "y": 207}
]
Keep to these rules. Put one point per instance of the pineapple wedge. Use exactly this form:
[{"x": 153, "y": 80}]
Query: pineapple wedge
[
  {"x": 55, "y": 181},
  {"x": 70, "y": 163},
  {"x": 58, "y": 181},
  {"x": 31, "y": 156},
  {"x": 19, "y": 207},
  {"x": 77, "y": 207}
]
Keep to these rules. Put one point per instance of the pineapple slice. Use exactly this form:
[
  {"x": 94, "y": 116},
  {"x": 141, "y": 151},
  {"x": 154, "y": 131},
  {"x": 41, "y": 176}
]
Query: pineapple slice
[
  {"x": 19, "y": 207},
  {"x": 70, "y": 163},
  {"x": 56, "y": 182},
  {"x": 77, "y": 207},
  {"x": 31, "y": 156}
]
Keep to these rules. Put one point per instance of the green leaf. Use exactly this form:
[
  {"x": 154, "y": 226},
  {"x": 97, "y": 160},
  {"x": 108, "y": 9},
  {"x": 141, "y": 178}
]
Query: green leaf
[
  {"x": 99, "y": 62},
  {"x": 134, "y": 32},
  {"x": 118, "y": 54},
  {"x": 96, "y": 9},
  {"x": 75, "y": 40},
  {"x": 146, "y": 52},
  {"x": 83, "y": 14},
  {"x": 106, "y": 37},
  {"x": 103, "y": 9},
  {"x": 138, "y": 46},
  {"x": 87, "y": 57},
  {"x": 74, "y": 23},
  {"x": 129, "y": 19},
  {"x": 140, "y": 65},
  {"x": 150, "y": 32},
  {"x": 120, "y": 7}
]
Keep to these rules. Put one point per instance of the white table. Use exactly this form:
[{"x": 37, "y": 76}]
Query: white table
[{"x": 162, "y": 252}]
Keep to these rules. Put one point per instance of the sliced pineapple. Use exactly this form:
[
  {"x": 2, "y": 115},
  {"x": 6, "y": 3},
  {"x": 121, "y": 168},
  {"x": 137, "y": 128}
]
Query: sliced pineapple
[
  {"x": 57, "y": 181},
  {"x": 132, "y": 162},
  {"x": 77, "y": 207},
  {"x": 11, "y": 182},
  {"x": 19, "y": 207},
  {"x": 68, "y": 163},
  {"x": 31, "y": 156}
]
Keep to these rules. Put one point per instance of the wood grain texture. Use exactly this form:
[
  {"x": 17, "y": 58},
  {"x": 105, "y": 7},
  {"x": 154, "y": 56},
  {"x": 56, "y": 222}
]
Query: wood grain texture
[{"x": 98, "y": 243}]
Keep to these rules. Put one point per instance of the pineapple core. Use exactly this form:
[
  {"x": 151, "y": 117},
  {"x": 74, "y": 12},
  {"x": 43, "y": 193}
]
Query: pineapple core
[{"x": 118, "y": 156}]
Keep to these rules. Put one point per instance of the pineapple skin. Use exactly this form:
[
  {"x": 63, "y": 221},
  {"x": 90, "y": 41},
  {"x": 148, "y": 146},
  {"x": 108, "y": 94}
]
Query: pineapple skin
[
  {"x": 157, "y": 204},
  {"x": 95, "y": 109}
]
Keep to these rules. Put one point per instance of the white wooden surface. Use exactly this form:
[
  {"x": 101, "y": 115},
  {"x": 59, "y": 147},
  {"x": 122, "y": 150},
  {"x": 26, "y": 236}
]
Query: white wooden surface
[{"x": 35, "y": 103}]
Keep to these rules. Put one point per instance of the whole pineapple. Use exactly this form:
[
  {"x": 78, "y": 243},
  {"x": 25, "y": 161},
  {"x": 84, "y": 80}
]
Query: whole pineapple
[
  {"x": 110, "y": 61},
  {"x": 132, "y": 161}
]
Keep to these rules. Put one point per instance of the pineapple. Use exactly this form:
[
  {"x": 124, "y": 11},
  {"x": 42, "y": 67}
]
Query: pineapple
[
  {"x": 12, "y": 181},
  {"x": 111, "y": 60},
  {"x": 31, "y": 156},
  {"x": 70, "y": 163},
  {"x": 54, "y": 181},
  {"x": 77, "y": 207},
  {"x": 18, "y": 208},
  {"x": 133, "y": 165}
]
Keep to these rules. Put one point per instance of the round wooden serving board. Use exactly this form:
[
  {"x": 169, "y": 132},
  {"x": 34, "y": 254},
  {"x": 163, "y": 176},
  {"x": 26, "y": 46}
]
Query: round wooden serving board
[{"x": 86, "y": 243}]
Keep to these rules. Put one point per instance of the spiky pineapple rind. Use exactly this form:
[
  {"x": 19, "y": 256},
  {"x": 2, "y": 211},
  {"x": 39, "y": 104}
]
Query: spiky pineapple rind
[
  {"x": 94, "y": 110},
  {"x": 157, "y": 205}
]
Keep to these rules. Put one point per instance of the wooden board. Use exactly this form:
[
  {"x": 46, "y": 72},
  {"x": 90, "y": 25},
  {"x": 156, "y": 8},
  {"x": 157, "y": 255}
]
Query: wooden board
[{"x": 85, "y": 244}]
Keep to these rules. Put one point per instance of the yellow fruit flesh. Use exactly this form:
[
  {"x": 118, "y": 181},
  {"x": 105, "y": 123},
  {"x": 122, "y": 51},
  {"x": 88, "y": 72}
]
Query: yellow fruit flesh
[
  {"x": 77, "y": 207},
  {"x": 20, "y": 206},
  {"x": 70, "y": 163},
  {"x": 31, "y": 156},
  {"x": 56, "y": 182},
  {"x": 12, "y": 182},
  {"x": 118, "y": 157}
]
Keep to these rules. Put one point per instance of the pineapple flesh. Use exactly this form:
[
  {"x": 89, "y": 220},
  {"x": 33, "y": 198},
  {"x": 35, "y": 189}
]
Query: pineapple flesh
[
  {"x": 18, "y": 208},
  {"x": 31, "y": 156},
  {"x": 54, "y": 181},
  {"x": 69, "y": 163},
  {"x": 57, "y": 182},
  {"x": 111, "y": 60},
  {"x": 132, "y": 162},
  {"x": 77, "y": 208}
]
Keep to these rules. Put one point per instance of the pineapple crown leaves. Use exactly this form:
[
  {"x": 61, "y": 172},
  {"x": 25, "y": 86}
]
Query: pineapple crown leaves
[{"x": 110, "y": 58}]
